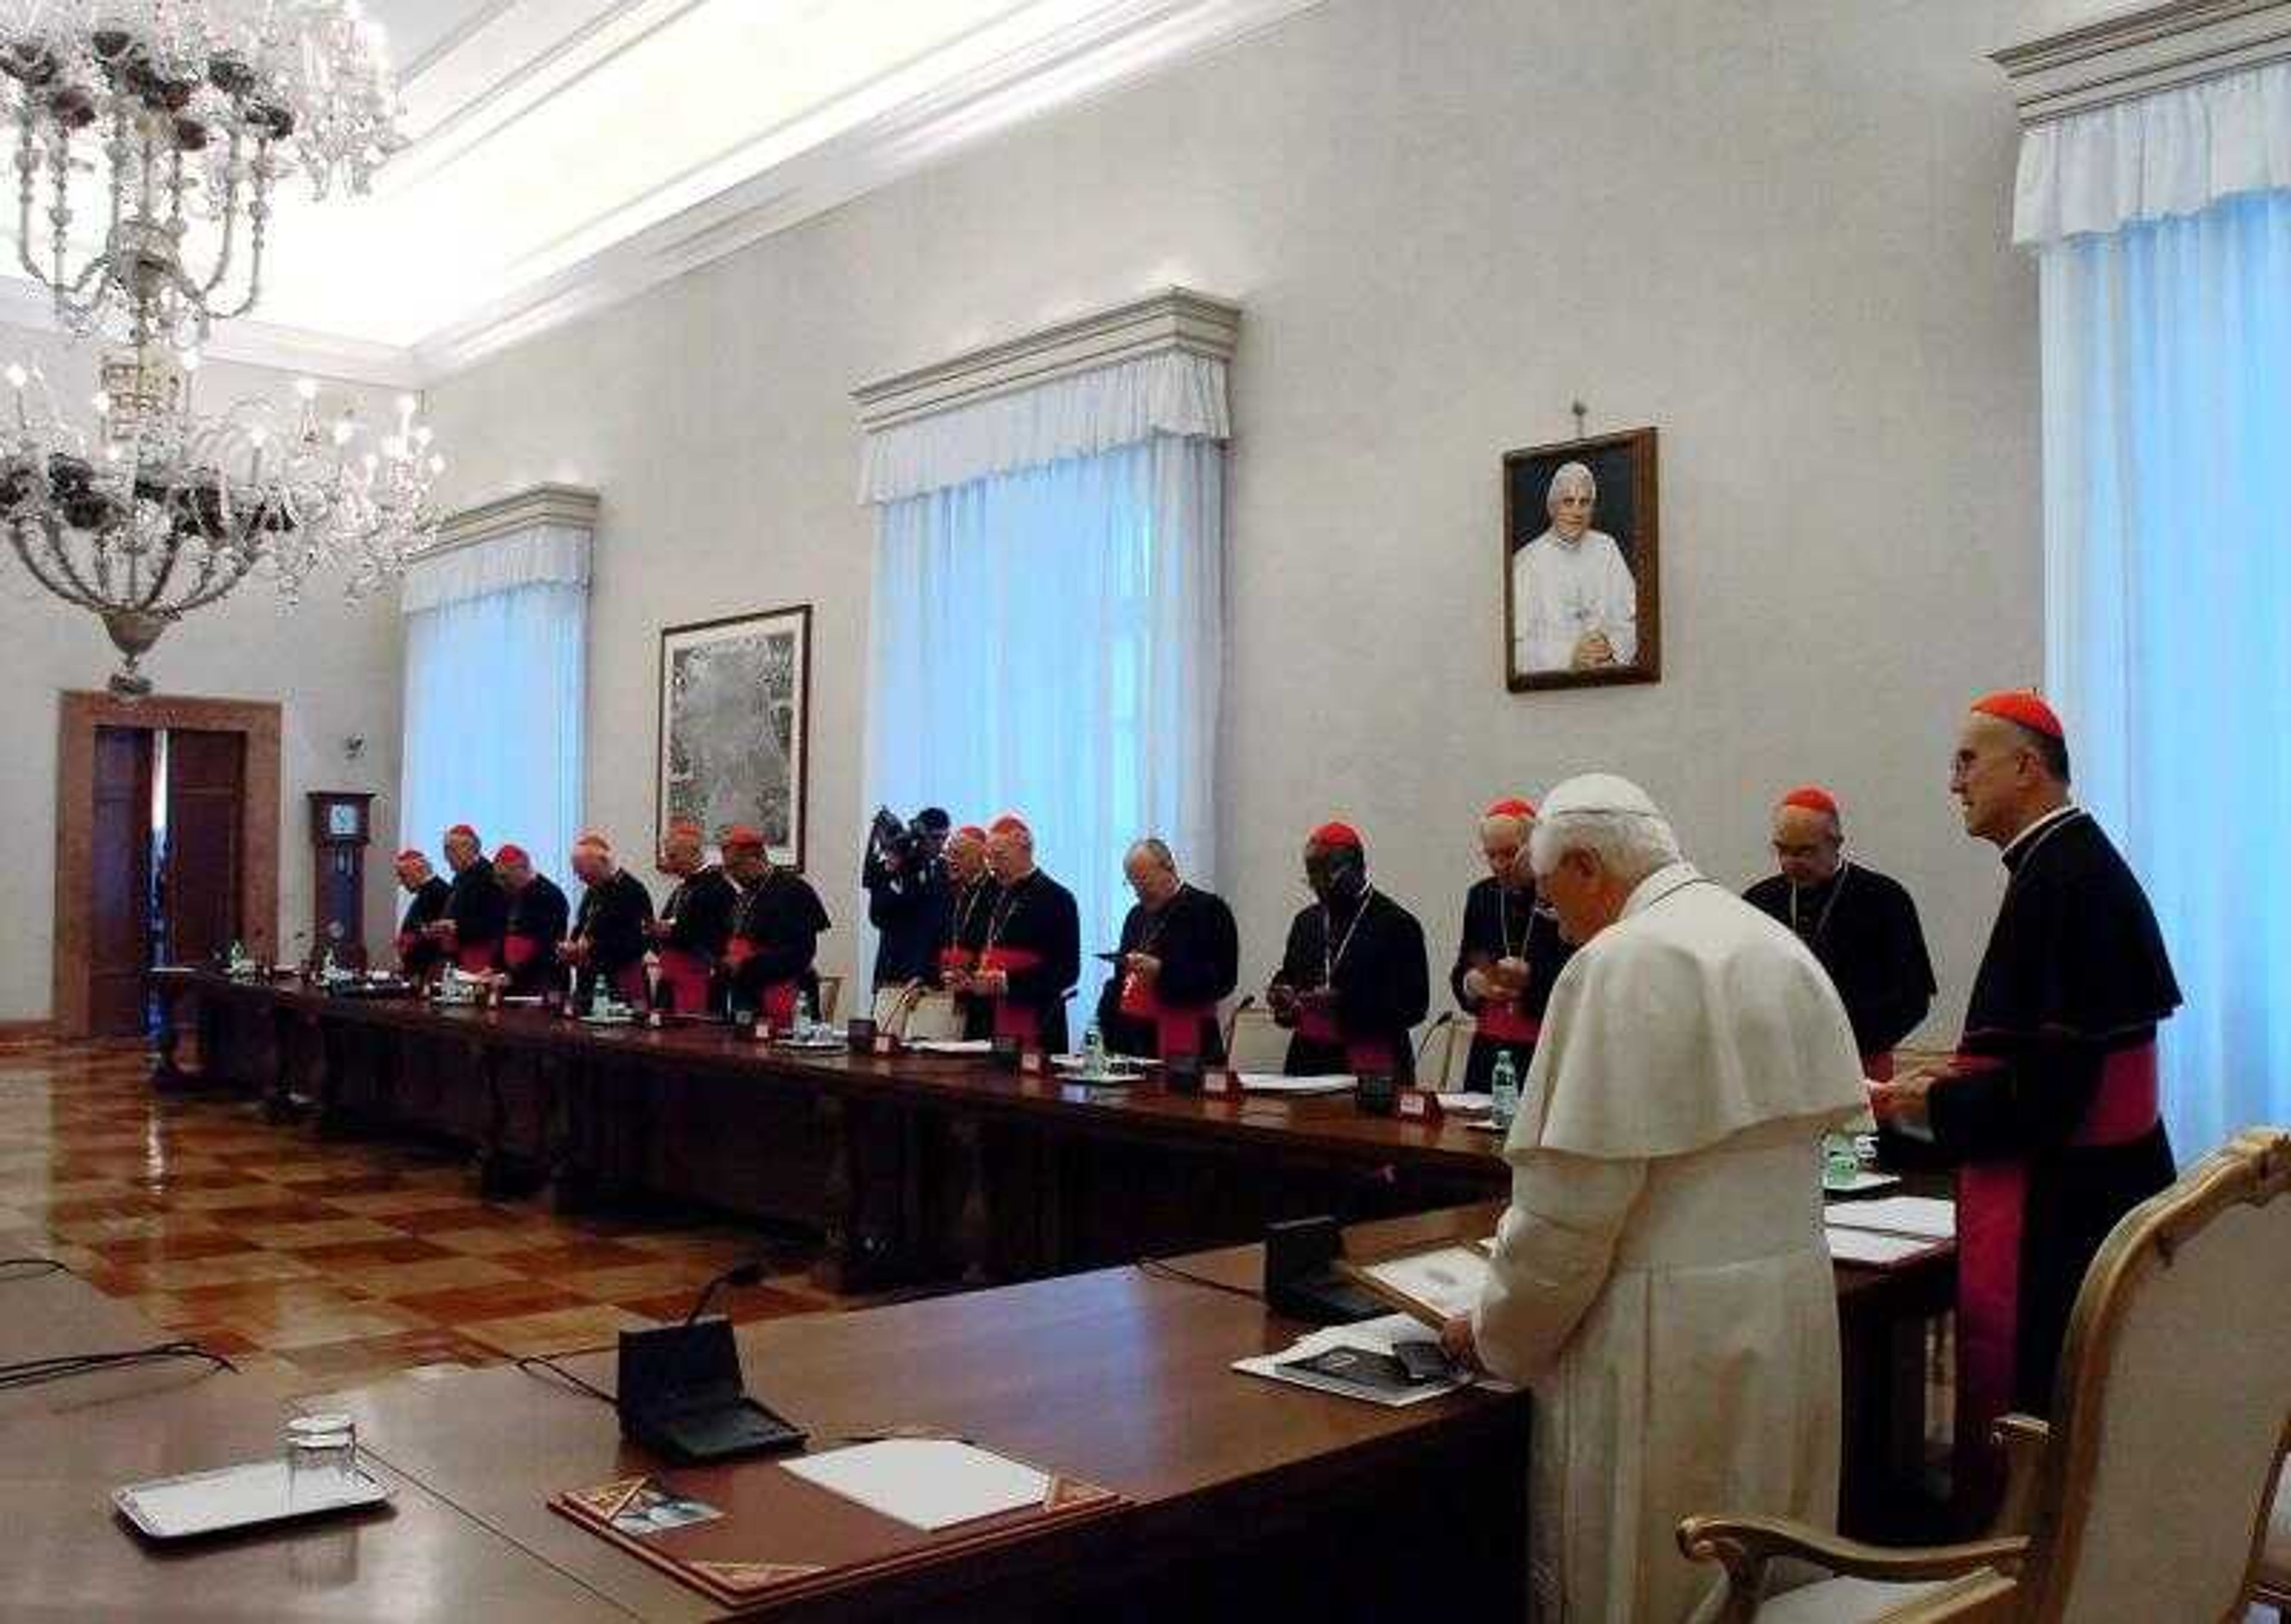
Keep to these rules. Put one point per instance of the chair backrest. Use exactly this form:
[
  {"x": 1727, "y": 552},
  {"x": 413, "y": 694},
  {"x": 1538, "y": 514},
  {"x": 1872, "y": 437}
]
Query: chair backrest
[
  {"x": 933, "y": 1016},
  {"x": 2173, "y": 1406},
  {"x": 1440, "y": 1067},
  {"x": 1256, "y": 1041},
  {"x": 890, "y": 1010}
]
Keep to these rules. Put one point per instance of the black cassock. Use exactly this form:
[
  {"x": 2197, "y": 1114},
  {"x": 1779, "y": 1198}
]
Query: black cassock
[
  {"x": 1863, "y": 927},
  {"x": 535, "y": 926},
  {"x": 698, "y": 920},
  {"x": 1194, "y": 937},
  {"x": 2051, "y": 1116},
  {"x": 1499, "y": 923},
  {"x": 612, "y": 921},
  {"x": 775, "y": 937},
  {"x": 968, "y": 910},
  {"x": 418, "y": 954},
  {"x": 479, "y": 907},
  {"x": 1033, "y": 933},
  {"x": 1370, "y": 951}
]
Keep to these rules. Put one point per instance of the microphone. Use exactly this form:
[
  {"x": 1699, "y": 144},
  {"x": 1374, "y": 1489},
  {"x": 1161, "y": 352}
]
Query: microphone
[
  {"x": 1433, "y": 1031},
  {"x": 740, "y": 1274}
]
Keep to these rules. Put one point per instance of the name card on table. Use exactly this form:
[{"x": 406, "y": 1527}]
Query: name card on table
[
  {"x": 1031, "y": 1063},
  {"x": 1218, "y": 1080}
]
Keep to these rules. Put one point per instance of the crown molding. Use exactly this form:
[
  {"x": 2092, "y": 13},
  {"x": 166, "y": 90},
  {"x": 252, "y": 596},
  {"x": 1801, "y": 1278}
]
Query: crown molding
[
  {"x": 2139, "y": 52},
  {"x": 1116, "y": 46},
  {"x": 1176, "y": 320},
  {"x": 561, "y": 507}
]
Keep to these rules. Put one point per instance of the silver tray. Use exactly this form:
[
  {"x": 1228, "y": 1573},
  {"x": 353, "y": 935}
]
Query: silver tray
[{"x": 231, "y": 1497}]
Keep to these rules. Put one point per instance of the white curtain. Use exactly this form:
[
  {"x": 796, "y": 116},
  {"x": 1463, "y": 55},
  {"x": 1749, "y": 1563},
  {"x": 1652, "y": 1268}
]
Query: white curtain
[
  {"x": 497, "y": 682},
  {"x": 2167, "y": 340},
  {"x": 1050, "y": 640}
]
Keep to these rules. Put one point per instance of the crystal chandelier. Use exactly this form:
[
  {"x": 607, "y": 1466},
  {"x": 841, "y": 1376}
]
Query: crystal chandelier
[{"x": 170, "y": 124}]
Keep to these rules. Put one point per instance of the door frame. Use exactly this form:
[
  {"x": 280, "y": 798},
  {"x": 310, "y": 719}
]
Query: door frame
[{"x": 79, "y": 713}]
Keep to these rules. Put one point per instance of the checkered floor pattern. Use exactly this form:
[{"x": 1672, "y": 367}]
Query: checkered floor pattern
[{"x": 327, "y": 1264}]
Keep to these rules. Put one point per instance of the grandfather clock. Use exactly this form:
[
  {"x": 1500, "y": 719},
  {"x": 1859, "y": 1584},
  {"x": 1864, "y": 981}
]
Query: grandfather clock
[{"x": 340, "y": 829}]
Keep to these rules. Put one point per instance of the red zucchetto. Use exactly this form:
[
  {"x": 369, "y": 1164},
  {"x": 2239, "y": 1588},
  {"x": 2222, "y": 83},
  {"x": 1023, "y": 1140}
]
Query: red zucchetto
[{"x": 2022, "y": 706}]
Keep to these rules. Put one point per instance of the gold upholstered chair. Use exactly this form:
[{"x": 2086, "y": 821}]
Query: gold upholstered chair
[
  {"x": 2274, "y": 1586},
  {"x": 1254, "y": 1042},
  {"x": 2147, "y": 1499}
]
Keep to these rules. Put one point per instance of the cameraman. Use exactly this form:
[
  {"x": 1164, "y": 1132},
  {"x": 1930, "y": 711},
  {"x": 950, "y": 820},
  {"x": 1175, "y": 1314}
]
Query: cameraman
[{"x": 906, "y": 893}]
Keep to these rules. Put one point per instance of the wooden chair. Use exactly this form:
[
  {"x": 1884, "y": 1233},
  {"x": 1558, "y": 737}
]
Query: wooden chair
[
  {"x": 1440, "y": 1067},
  {"x": 932, "y": 1017},
  {"x": 2274, "y": 1586},
  {"x": 2148, "y": 1497},
  {"x": 1254, "y": 1042}
]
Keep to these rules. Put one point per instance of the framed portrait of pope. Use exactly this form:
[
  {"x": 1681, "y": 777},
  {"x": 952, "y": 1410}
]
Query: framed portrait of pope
[{"x": 1582, "y": 606}]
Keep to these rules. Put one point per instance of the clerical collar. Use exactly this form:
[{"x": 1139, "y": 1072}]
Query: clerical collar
[
  {"x": 1665, "y": 881},
  {"x": 2022, "y": 846}
]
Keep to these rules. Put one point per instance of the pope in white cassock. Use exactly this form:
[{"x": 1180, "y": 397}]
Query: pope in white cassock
[
  {"x": 1574, "y": 605},
  {"x": 1660, "y": 1278}
]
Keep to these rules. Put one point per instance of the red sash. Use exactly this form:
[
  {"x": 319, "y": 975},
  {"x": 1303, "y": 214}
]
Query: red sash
[
  {"x": 1362, "y": 1056},
  {"x": 1013, "y": 1019},
  {"x": 474, "y": 958},
  {"x": 779, "y": 996},
  {"x": 1878, "y": 1065},
  {"x": 519, "y": 950},
  {"x": 686, "y": 975},
  {"x": 1503, "y": 1021},
  {"x": 1991, "y": 1209},
  {"x": 1177, "y": 1030},
  {"x": 407, "y": 942}
]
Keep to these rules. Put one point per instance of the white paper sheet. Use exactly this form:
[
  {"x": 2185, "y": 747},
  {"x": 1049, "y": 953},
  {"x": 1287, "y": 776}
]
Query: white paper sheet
[
  {"x": 925, "y": 1482},
  {"x": 1276, "y": 1082},
  {"x": 1880, "y": 1251},
  {"x": 1466, "y": 1105},
  {"x": 952, "y": 1046},
  {"x": 1896, "y": 1215},
  {"x": 1449, "y": 1280}
]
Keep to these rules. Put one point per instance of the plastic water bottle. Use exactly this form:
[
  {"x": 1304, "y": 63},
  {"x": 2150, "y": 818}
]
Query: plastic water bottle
[
  {"x": 1504, "y": 1086},
  {"x": 1093, "y": 1051}
]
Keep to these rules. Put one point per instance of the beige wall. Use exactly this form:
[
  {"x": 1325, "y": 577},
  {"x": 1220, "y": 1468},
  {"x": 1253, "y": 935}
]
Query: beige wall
[
  {"x": 1776, "y": 230},
  {"x": 332, "y": 668}
]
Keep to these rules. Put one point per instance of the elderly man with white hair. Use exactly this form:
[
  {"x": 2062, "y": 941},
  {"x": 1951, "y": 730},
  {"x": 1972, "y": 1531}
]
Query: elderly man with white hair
[
  {"x": 1574, "y": 605},
  {"x": 1661, "y": 1277}
]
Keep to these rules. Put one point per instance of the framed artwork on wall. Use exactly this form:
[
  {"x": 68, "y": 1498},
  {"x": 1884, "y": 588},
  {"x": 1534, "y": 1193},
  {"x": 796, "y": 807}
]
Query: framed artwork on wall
[
  {"x": 1581, "y": 603},
  {"x": 734, "y": 726}
]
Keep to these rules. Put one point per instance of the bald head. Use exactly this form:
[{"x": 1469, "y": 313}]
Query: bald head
[
  {"x": 592, "y": 859},
  {"x": 1503, "y": 842},
  {"x": 680, "y": 849},
  {"x": 1809, "y": 844},
  {"x": 1010, "y": 851},
  {"x": 1152, "y": 872}
]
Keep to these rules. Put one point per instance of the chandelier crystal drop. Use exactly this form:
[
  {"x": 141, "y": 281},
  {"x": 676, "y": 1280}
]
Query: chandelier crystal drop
[{"x": 152, "y": 138}]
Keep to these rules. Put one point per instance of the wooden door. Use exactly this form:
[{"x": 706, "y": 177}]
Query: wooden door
[
  {"x": 207, "y": 788},
  {"x": 119, "y": 912}
]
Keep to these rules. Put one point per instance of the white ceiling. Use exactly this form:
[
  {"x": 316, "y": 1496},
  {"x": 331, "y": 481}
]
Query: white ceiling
[{"x": 567, "y": 153}]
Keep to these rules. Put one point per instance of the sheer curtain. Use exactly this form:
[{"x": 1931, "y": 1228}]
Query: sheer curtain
[
  {"x": 496, "y": 681},
  {"x": 1048, "y": 639},
  {"x": 2167, "y": 340}
]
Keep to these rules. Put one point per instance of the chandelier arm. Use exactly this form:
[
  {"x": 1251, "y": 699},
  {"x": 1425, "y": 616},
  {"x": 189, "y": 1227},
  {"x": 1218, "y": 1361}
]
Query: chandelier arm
[
  {"x": 63, "y": 580},
  {"x": 208, "y": 589},
  {"x": 27, "y": 167},
  {"x": 230, "y": 183},
  {"x": 258, "y": 220}
]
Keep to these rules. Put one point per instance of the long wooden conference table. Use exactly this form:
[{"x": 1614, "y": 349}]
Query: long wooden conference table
[
  {"x": 909, "y": 1167},
  {"x": 1241, "y": 1497}
]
